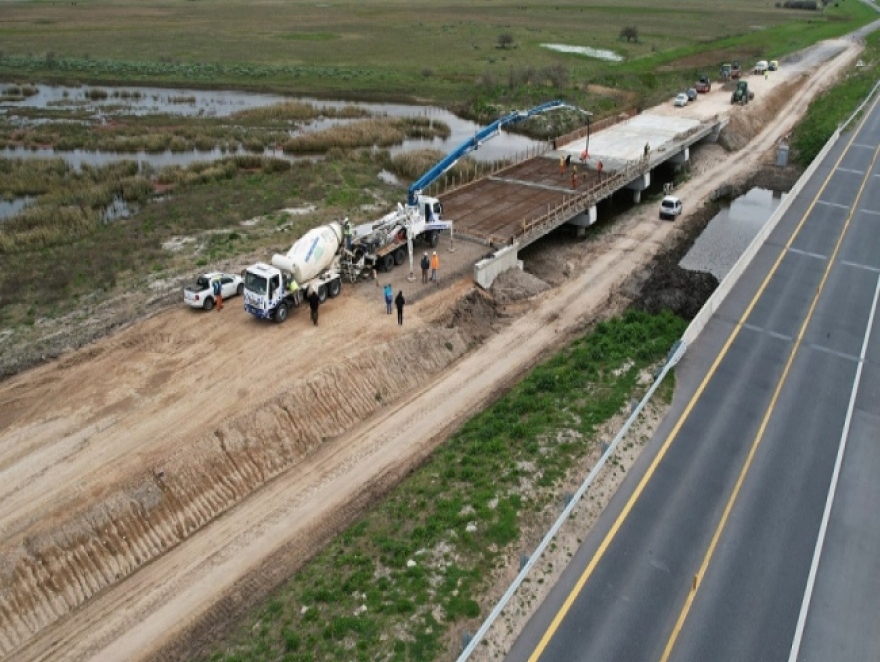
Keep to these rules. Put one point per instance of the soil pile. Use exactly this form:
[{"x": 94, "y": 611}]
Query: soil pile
[{"x": 516, "y": 285}]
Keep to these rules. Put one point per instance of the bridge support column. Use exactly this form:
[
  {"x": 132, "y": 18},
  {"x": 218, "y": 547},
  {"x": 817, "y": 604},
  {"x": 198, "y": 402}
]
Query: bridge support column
[
  {"x": 638, "y": 185},
  {"x": 682, "y": 157},
  {"x": 584, "y": 220}
]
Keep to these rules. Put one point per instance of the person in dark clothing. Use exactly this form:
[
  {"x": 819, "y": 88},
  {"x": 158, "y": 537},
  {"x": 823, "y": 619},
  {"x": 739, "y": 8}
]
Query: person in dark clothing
[
  {"x": 314, "y": 302},
  {"x": 568, "y": 161},
  {"x": 399, "y": 301},
  {"x": 426, "y": 264}
]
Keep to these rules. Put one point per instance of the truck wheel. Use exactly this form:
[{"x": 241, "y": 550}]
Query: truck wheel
[
  {"x": 387, "y": 262},
  {"x": 209, "y": 304},
  {"x": 281, "y": 313},
  {"x": 433, "y": 238},
  {"x": 322, "y": 293},
  {"x": 240, "y": 289},
  {"x": 400, "y": 256},
  {"x": 334, "y": 287}
]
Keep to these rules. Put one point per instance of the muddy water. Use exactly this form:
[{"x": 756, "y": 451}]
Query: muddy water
[
  {"x": 12, "y": 207},
  {"x": 728, "y": 234},
  {"x": 222, "y": 103}
]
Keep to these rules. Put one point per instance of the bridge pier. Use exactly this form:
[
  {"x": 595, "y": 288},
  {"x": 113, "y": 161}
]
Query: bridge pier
[
  {"x": 682, "y": 157},
  {"x": 638, "y": 185},
  {"x": 584, "y": 220}
]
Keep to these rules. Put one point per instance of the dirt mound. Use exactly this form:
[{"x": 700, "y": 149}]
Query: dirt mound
[
  {"x": 746, "y": 122},
  {"x": 516, "y": 285}
]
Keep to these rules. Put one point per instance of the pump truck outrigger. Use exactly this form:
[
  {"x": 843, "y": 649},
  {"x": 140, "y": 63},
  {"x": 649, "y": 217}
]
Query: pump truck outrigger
[{"x": 319, "y": 260}]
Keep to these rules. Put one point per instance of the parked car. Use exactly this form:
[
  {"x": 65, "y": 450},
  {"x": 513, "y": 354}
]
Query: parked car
[
  {"x": 761, "y": 66},
  {"x": 681, "y": 100},
  {"x": 704, "y": 84},
  {"x": 773, "y": 65},
  {"x": 670, "y": 207},
  {"x": 201, "y": 294},
  {"x": 692, "y": 94}
]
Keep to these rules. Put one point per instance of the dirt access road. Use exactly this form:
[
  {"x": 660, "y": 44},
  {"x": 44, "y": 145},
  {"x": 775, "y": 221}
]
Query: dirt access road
[{"x": 160, "y": 477}]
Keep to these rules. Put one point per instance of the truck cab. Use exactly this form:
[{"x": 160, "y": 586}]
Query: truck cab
[{"x": 264, "y": 290}]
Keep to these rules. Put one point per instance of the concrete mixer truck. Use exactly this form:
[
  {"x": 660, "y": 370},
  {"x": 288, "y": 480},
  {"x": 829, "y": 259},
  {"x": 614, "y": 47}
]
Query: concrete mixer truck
[{"x": 312, "y": 263}]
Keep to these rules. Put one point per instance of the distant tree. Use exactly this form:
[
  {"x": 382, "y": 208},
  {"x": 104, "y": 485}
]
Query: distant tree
[
  {"x": 505, "y": 40},
  {"x": 630, "y": 33}
]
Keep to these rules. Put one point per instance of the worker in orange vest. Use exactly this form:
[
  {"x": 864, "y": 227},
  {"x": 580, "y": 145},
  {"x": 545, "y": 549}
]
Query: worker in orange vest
[{"x": 435, "y": 264}]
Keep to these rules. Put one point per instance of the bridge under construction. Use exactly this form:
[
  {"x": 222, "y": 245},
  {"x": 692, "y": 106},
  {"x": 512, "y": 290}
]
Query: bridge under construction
[{"x": 516, "y": 205}]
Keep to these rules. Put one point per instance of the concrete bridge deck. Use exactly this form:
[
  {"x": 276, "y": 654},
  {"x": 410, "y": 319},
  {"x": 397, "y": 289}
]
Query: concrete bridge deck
[{"x": 520, "y": 203}]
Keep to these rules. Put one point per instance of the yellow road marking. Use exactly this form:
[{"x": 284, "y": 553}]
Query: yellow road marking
[
  {"x": 670, "y": 644},
  {"x": 624, "y": 513}
]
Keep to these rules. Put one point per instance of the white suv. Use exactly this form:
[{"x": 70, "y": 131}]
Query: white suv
[{"x": 670, "y": 207}]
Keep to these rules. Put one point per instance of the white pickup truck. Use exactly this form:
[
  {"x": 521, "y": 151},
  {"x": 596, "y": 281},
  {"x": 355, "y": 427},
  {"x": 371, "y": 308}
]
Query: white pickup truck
[{"x": 201, "y": 295}]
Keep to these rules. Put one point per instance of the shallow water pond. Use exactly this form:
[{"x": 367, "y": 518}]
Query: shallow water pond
[{"x": 728, "y": 234}]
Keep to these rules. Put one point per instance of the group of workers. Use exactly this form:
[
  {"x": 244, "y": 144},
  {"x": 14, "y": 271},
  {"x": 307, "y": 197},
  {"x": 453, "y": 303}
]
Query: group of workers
[{"x": 565, "y": 164}]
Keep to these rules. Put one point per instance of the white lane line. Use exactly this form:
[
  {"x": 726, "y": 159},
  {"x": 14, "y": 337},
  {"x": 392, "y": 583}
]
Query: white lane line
[
  {"x": 818, "y": 256},
  {"x": 870, "y": 211},
  {"x": 829, "y": 501},
  {"x": 852, "y": 170},
  {"x": 832, "y": 204},
  {"x": 859, "y": 265}
]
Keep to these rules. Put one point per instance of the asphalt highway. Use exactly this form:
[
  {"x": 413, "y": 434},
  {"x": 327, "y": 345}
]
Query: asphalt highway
[{"x": 749, "y": 528}]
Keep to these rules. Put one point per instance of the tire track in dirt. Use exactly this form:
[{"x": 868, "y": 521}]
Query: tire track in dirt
[
  {"x": 311, "y": 501},
  {"x": 62, "y": 567}
]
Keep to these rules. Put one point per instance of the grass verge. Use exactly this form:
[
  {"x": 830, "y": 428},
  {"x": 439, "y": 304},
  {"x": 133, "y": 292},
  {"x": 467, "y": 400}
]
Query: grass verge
[
  {"x": 398, "y": 582},
  {"x": 836, "y": 104}
]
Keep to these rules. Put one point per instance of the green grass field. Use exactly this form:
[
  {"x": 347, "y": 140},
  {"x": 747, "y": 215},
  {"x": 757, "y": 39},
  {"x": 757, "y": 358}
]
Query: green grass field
[
  {"x": 432, "y": 52},
  {"x": 444, "y": 52}
]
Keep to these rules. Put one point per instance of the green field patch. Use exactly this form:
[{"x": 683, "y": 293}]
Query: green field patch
[{"x": 310, "y": 36}]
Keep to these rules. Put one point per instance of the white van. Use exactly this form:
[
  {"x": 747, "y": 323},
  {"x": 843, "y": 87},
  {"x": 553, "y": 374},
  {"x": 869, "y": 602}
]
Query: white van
[{"x": 761, "y": 66}]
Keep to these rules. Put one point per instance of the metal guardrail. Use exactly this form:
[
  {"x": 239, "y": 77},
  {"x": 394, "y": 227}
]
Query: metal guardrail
[{"x": 673, "y": 357}]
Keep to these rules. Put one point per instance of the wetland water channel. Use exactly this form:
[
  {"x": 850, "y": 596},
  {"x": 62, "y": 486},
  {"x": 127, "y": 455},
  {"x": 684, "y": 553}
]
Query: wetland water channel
[
  {"x": 730, "y": 231},
  {"x": 141, "y": 101},
  {"x": 223, "y": 103}
]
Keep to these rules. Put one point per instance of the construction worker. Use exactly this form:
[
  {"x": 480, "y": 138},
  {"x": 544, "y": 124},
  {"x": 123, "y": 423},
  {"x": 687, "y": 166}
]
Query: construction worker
[
  {"x": 599, "y": 169},
  {"x": 561, "y": 165},
  {"x": 435, "y": 264},
  {"x": 347, "y": 231},
  {"x": 647, "y": 149},
  {"x": 293, "y": 288},
  {"x": 425, "y": 264},
  {"x": 218, "y": 294},
  {"x": 574, "y": 177},
  {"x": 314, "y": 303}
]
